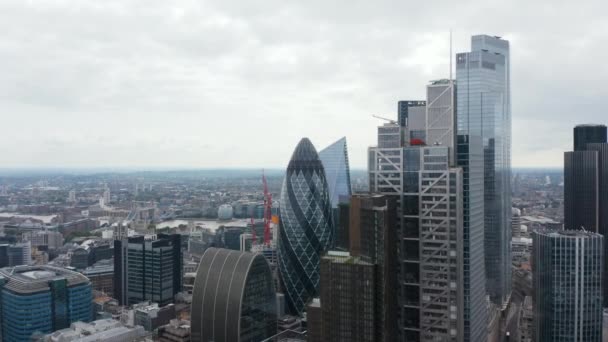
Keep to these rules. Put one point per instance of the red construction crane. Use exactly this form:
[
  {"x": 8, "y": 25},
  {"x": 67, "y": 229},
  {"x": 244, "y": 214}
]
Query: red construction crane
[{"x": 267, "y": 211}]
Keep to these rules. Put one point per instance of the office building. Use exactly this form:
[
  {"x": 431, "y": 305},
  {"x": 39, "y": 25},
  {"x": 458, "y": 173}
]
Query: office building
[
  {"x": 483, "y": 100},
  {"x": 148, "y": 270},
  {"x": 231, "y": 237},
  {"x": 369, "y": 267},
  {"x": 176, "y": 331},
  {"x": 306, "y": 226},
  {"x": 515, "y": 223},
  {"x": 588, "y": 134},
  {"x": 373, "y": 224},
  {"x": 72, "y": 196},
  {"x": 151, "y": 316},
  {"x": 347, "y": 299},
  {"x": 99, "y": 251},
  {"x": 337, "y": 170},
  {"x": 41, "y": 299},
  {"x": 526, "y": 321},
  {"x": 583, "y": 172},
  {"x": 50, "y": 238},
  {"x": 567, "y": 281},
  {"x": 4, "y": 262},
  {"x": 107, "y": 330},
  {"x": 19, "y": 254},
  {"x": 586, "y": 185},
  {"x": 314, "y": 321},
  {"x": 101, "y": 275},
  {"x": 80, "y": 258},
  {"x": 407, "y": 109},
  {"x": 233, "y": 299},
  {"x": 429, "y": 190},
  {"x": 246, "y": 241}
]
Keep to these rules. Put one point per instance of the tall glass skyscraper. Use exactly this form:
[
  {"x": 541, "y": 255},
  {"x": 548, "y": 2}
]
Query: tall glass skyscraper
[
  {"x": 306, "y": 226},
  {"x": 484, "y": 151},
  {"x": 337, "y": 171}
]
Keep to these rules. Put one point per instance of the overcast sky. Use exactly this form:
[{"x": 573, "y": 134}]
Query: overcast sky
[{"x": 237, "y": 83}]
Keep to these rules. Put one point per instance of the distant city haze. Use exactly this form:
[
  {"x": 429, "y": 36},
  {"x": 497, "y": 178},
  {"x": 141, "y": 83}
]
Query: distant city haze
[{"x": 232, "y": 84}]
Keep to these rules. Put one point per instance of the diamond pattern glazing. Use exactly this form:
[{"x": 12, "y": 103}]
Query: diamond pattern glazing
[{"x": 306, "y": 226}]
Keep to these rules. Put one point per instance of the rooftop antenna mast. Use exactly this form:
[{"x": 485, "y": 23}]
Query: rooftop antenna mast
[{"x": 450, "y": 54}]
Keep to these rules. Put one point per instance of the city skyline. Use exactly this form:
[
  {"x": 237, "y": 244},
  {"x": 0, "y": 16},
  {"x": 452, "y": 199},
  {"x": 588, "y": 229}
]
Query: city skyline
[{"x": 172, "y": 92}]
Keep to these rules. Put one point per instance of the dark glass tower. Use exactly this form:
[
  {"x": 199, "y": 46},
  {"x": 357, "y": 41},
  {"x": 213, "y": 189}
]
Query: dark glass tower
[
  {"x": 306, "y": 226},
  {"x": 586, "y": 185},
  {"x": 587, "y": 134},
  {"x": 566, "y": 267},
  {"x": 148, "y": 269}
]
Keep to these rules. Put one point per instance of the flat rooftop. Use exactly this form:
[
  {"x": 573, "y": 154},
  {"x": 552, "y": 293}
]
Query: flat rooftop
[{"x": 32, "y": 279}]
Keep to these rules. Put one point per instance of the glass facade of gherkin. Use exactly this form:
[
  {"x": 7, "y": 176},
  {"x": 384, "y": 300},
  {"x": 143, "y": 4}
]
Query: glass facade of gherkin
[{"x": 306, "y": 226}]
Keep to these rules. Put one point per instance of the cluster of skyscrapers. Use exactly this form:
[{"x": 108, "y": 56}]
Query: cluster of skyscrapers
[
  {"x": 422, "y": 256},
  {"x": 445, "y": 165},
  {"x": 569, "y": 266}
]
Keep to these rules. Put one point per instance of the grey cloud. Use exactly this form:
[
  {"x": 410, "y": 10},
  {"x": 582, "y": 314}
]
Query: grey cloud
[{"x": 237, "y": 83}]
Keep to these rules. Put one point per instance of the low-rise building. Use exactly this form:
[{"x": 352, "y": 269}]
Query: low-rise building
[
  {"x": 101, "y": 275},
  {"x": 50, "y": 238},
  {"x": 107, "y": 330},
  {"x": 176, "y": 331},
  {"x": 526, "y": 321},
  {"x": 151, "y": 316}
]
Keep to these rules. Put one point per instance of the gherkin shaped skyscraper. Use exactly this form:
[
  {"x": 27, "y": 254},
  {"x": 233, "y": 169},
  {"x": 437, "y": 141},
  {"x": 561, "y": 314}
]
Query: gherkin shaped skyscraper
[{"x": 306, "y": 226}]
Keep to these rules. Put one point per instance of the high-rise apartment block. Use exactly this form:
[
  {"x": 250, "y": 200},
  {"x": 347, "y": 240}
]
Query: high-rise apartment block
[
  {"x": 586, "y": 185},
  {"x": 483, "y": 107},
  {"x": 422, "y": 177},
  {"x": 567, "y": 281},
  {"x": 147, "y": 270}
]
